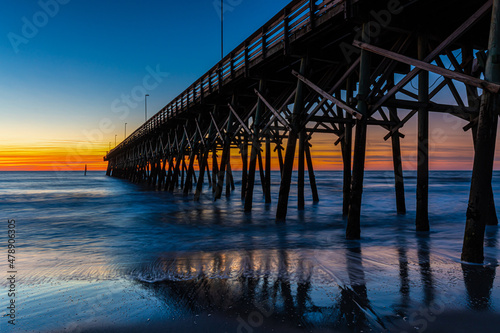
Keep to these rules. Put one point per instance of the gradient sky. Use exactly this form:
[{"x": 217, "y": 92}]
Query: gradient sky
[{"x": 61, "y": 83}]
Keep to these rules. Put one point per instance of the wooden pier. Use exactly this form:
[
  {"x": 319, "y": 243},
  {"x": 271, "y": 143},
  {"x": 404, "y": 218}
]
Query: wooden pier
[{"x": 339, "y": 67}]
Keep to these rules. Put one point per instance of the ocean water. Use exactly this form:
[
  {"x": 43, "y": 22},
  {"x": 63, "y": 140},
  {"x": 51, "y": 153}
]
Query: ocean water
[{"x": 98, "y": 254}]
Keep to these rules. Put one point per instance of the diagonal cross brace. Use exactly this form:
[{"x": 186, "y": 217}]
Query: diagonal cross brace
[
  {"x": 326, "y": 95},
  {"x": 451, "y": 38},
  {"x": 492, "y": 87},
  {"x": 276, "y": 113},
  {"x": 239, "y": 119}
]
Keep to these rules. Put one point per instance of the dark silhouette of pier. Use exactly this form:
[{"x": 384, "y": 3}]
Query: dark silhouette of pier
[{"x": 332, "y": 66}]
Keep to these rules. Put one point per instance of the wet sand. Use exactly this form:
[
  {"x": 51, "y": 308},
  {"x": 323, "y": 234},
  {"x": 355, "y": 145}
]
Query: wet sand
[{"x": 109, "y": 256}]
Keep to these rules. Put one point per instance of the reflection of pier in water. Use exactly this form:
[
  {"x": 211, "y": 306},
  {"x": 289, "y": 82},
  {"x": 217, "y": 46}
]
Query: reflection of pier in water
[{"x": 304, "y": 289}]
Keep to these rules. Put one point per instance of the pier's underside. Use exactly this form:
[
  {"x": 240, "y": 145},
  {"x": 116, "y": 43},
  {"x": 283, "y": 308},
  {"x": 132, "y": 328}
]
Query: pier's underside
[{"x": 332, "y": 66}]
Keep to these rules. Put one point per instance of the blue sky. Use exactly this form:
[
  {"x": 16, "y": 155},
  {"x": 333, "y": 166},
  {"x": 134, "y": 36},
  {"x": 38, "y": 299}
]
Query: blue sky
[
  {"x": 66, "y": 76},
  {"x": 60, "y": 86}
]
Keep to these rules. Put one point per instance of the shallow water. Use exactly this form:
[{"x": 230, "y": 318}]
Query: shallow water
[{"x": 97, "y": 254}]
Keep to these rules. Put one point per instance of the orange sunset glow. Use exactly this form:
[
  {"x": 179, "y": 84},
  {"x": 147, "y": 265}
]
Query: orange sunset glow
[{"x": 450, "y": 149}]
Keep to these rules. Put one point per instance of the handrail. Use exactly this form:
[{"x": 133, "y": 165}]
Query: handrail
[{"x": 295, "y": 16}]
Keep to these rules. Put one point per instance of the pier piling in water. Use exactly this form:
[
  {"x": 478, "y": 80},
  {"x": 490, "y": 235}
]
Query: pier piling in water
[
  {"x": 480, "y": 191},
  {"x": 313, "y": 70}
]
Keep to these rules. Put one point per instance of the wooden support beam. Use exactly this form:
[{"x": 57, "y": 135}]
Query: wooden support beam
[
  {"x": 310, "y": 170},
  {"x": 169, "y": 178},
  {"x": 231, "y": 178},
  {"x": 483, "y": 84},
  {"x": 217, "y": 127},
  {"x": 242, "y": 124},
  {"x": 267, "y": 191},
  {"x": 226, "y": 151},
  {"x": 286, "y": 177},
  {"x": 337, "y": 85},
  {"x": 215, "y": 168},
  {"x": 469, "y": 23},
  {"x": 347, "y": 152},
  {"x": 398, "y": 165},
  {"x": 422, "y": 218},
  {"x": 301, "y": 173},
  {"x": 184, "y": 169},
  {"x": 270, "y": 107},
  {"x": 244, "y": 171},
  {"x": 255, "y": 149},
  {"x": 190, "y": 172},
  {"x": 279, "y": 149},
  {"x": 203, "y": 165},
  {"x": 326, "y": 95},
  {"x": 484, "y": 156},
  {"x": 283, "y": 108},
  {"x": 353, "y": 230},
  {"x": 228, "y": 177},
  {"x": 180, "y": 156},
  {"x": 474, "y": 101},
  {"x": 261, "y": 173}
]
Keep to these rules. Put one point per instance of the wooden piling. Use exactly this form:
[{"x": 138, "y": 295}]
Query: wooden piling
[
  {"x": 190, "y": 172},
  {"x": 228, "y": 177},
  {"x": 474, "y": 100},
  {"x": 267, "y": 191},
  {"x": 301, "y": 172},
  {"x": 397, "y": 162},
  {"x": 168, "y": 180},
  {"x": 347, "y": 151},
  {"x": 244, "y": 171},
  {"x": 286, "y": 177},
  {"x": 255, "y": 148},
  {"x": 422, "y": 218},
  {"x": 353, "y": 230},
  {"x": 183, "y": 171},
  {"x": 226, "y": 152},
  {"x": 279, "y": 148},
  {"x": 203, "y": 165},
  {"x": 261, "y": 173},
  {"x": 312, "y": 178},
  {"x": 215, "y": 168},
  {"x": 482, "y": 172},
  {"x": 231, "y": 178}
]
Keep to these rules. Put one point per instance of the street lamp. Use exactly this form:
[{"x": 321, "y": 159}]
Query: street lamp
[
  {"x": 110, "y": 146},
  {"x": 115, "y": 139},
  {"x": 146, "y": 107},
  {"x": 222, "y": 29},
  {"x": 125, "y": 132}
]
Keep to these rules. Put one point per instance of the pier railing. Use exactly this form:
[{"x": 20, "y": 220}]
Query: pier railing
[{"x": 296, "y": 19}]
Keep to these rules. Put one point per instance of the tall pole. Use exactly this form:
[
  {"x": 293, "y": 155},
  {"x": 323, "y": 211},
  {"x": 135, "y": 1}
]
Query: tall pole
[
  {"x": 115, "y": 139},
  {"x": 222, "y": 29},
  {"x": 146, "y": 107},
  {"x": 484, "y": 156},
  {"x": 125, "y": 136}
]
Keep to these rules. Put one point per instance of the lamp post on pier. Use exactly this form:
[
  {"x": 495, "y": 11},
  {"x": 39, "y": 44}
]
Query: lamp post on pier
[
  {"x": 146, "y": 107},
  {"x": 125, "y": 136}
]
